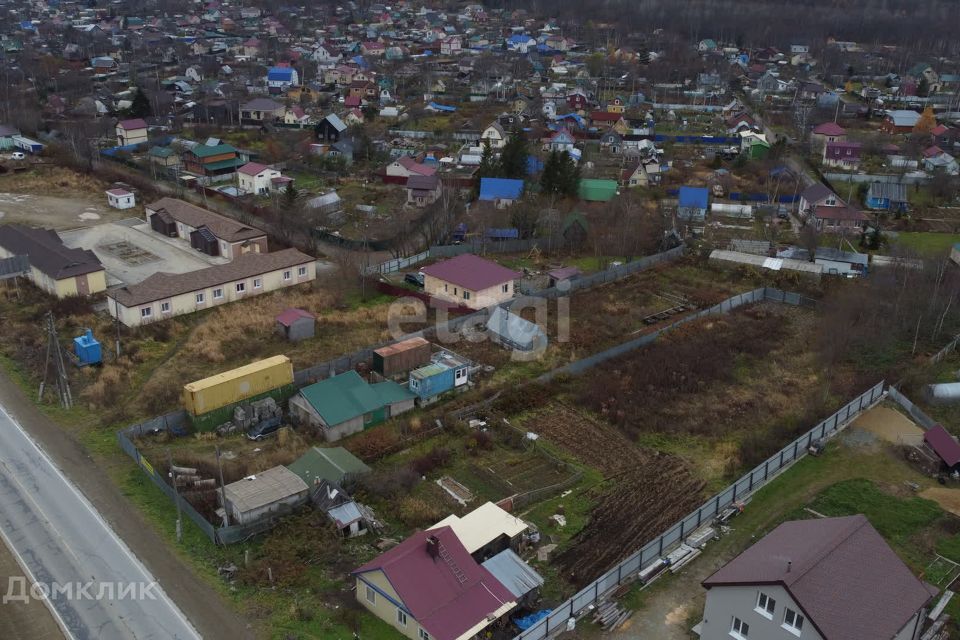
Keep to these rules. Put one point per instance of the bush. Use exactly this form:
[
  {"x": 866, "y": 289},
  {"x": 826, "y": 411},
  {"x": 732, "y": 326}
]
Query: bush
[
  {"x": 438, "y": 457},
  {"x": 417, "y": 512},
  {"x": 390, "y": 483}
]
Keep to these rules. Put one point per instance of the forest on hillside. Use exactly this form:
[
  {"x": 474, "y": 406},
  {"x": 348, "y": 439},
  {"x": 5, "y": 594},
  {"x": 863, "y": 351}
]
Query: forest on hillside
[{"x": 927, "y": 26}]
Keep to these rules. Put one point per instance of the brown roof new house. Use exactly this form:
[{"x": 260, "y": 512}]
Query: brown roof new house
[
  {"x": 196, "y": 217},
  {"x": 837, "y": 576}
]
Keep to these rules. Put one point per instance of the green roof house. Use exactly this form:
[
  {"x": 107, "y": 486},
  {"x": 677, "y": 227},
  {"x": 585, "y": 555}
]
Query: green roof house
[
  {"x": 333, "y": 464},
  {"x": 347, "y": 404},
  {"x": 593, "y": 190}
]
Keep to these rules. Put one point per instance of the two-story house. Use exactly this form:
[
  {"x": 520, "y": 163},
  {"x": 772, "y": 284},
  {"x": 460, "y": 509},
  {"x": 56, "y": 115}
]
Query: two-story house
[
  {"x": 843, "y": 155},
  {"x": 821, "y": 579},
  {"x": 259, "y": 179},
  {"x": 495, "y": 135},
  {"x": 131, "y": 132},
  {"x": 212, "y": 162}
]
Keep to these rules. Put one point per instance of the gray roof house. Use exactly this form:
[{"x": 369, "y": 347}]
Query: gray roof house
[
  {"x": 829, "y": 578},
  {"x": 269, "y": 493},
  {"x": 512, "y": 331}
]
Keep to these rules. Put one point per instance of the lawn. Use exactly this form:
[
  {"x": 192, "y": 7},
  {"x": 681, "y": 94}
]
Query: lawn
[{"x": 927, "y": 243}]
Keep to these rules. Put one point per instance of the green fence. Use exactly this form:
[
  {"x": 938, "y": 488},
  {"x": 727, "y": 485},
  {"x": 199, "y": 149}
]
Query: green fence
[{"x": 213, "y": 419}]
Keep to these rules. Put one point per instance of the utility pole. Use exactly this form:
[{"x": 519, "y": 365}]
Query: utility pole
[
  {"x": 55, "y": 355},
  {"x": 176, "y": 491},
  {"x": 223, "y": 493},
  {"x": 116, "y": 306}
]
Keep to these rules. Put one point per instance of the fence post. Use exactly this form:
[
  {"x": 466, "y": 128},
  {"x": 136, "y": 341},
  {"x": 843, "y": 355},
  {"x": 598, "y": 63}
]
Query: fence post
[
  {"x": 750, "y": 485},
  {"x": 795, "y": 444},
  {"x": 660, "y": 553},
  {"x": 716, "y": 509},
  {"x": 682, "y": 522},
  {"x": 781, "y": 460},
  {"x": 766, "y": 469},
  {"x": 619, "y": 572},
  {"x": 734, "y": 492},
  {"x": 596, "y": 590}
]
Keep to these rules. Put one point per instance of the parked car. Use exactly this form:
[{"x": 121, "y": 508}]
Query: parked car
[
  {"x": 264, "y": 429},
  {"x": 18, "y": 155},
  {"x": 416, "y": 279}
]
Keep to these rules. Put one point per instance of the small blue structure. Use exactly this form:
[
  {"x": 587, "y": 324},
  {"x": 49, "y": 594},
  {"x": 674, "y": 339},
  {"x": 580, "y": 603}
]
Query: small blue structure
[
  {"x": 534, "y": 165},
  {"x": 445, "y": 372},
  {"x": 500, "y": 189},
  {"x": 503, "y": 234},
  {"x": 887, "y": 196},
  {"x": 87, "y": 349},
  {"x": 444, "y": 108},
  {"x": 460, "y": 233},
  {"x": 692, "y": 203},
  {"x": 280, "y": 74}
]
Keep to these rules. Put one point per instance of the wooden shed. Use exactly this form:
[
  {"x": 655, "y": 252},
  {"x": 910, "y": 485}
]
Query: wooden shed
[{"x": 401, "y": 357}]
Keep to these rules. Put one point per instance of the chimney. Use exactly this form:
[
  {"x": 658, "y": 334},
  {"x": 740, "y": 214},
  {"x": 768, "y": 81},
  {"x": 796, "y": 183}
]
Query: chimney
[
  {"x": 789, "y": 564},
  {"x": 433, "y": 546}
]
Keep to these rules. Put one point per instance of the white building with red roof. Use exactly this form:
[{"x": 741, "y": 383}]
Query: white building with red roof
[
  {"x": 131, "y": 132},
  {"x": 259, "y": 179}
]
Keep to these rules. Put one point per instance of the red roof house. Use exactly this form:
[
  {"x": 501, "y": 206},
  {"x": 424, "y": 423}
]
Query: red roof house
[
  {"x": 943, "y": 444},
  {"x": 430, "y": 582}
]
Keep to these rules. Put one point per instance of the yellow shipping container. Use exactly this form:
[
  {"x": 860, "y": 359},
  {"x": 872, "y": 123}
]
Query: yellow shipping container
[{"x": 237, "y": 384}]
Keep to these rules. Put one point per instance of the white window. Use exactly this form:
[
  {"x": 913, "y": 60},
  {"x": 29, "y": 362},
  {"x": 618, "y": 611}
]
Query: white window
[
  {"x": 792, "y": 621},
  {"x": 739, "y": 629},
  {"x": 241, "y": 287},
  {"x": 506, "y": 288},
  {"x": 466, "y": 295},
  {"x": 200, "y": 298},
  {"x": 217, "y": 294},
  {"x": 401, "y": 617},
  {"x": 164, "y": 307},
  {"x": 423, "y": 634},
  {"x": 461, "y": 373},
  {"x": 257, "y": 283},
  {"x": 765, "y": 605},
  {"x": 454, "y": 291},
  {"x": 371, "y": 595},
  {"x": 286, "y": 275},
  {"x": 146, "y": 312},
  {"x": 301, "y": 271}
]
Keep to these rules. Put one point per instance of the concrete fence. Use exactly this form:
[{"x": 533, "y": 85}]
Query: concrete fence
[
  {"x": 732, "y": 496},
  {"x": 915, "y": 412}
]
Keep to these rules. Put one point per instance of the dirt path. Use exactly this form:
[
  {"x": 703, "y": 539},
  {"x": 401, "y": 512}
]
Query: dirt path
[
  {"x": 23, "y": 620},
  {"x": 210, "y": 615},
  {"x": 55, "y": 213},
  {"x": 888, "y": 424}
]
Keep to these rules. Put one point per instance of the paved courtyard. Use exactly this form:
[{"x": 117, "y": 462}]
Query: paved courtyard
[{"x": 131, "y": 251}]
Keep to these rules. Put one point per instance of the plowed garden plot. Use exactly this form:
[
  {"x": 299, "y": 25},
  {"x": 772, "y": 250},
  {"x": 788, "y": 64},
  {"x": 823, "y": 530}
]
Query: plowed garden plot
[
  {"x": 607, "y": 315},
  {"x": 644, "y": 491}
]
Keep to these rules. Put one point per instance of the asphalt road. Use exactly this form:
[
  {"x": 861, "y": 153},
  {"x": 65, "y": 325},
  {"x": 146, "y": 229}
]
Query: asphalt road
[{"x": 67, "y": 547}]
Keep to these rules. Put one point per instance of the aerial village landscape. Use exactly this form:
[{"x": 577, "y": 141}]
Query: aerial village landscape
[{"x": 505, "y": 320}]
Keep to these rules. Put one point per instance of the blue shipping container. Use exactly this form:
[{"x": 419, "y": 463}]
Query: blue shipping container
[{"x": 431, "y": 380}]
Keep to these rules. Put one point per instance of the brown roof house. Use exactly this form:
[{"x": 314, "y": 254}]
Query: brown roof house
[
  {"x": 829, "y": 578},
  {"x": 55, "y": 268},
  {"x": 164, "y": 295},
  {"x": 206, "y": 231},
  {"x": 469, "y": 281}
]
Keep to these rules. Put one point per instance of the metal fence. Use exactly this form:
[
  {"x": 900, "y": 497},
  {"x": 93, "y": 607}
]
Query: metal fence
[
  {"x": 947, "y": 350},
  {"x": 915, "y": 412},
  {"x": 398, "y": 264},
  {"x": 736, "y": 492}
]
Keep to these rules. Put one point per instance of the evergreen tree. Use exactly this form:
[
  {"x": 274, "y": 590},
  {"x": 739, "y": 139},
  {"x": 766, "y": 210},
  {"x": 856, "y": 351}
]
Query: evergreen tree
[
  {"x": 140, "y": 106},
  {"x": 290, "y": 195},
  {"x": 489, "y": 167},
  {"x": 923, "y": 87},
  {"x": 513, "y": 158},
  {"x": 549, "y": 179},
  {"x": 561, "y": 175}
]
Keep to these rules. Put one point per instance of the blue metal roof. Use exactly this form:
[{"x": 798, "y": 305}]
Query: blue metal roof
[
  {"x": 500, "y": 189},
  {"x": 695, "y": 197},
  {"x": 503, "y": 234},
  {"x": 441, "y": 107},
  {"x": 282, "y": 74}
]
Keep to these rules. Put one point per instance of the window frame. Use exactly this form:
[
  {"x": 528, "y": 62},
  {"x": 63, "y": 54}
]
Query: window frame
[
  {"x": 371, "y": 595},
  {"x": 302, "y": 272},
  {"x": 201, "y": 297},
  {"x": 165, "y": 307},
  {"x": 423, "y": 634},
  {"x": 505, "y": 288},
  {"x": 258, "y": 283},
  {"x": 287, "y": 275},
  {"x": 216, "y": 291},
  {"x": 796, "y": 626},
  {"x": 401, "y": 617},
  {"x": 766, "y": 606},
  {"x": 240, "y": 287},
  {"x": 146, "y": 312},
  {"x": 739, "y": 629}
]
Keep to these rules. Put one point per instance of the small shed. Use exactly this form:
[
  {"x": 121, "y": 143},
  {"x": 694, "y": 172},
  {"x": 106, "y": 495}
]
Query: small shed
[
  {"x": 564, "y": 274},
  {"x": 121, "y": 198},
  {"x": 330, "y": 464},
  {"x": 257, "y": 497},
  {"x": 296, "y": 324},
  {"x": 692, "y": 203},
  {"x": 512, "y": 331},
  {"x": 162, "y": 222},
  {"x": 944, "y": 445},
  {"x": 343, "y": 512},
  {"x": 401, "y": 357},
  {"x": 517, "y": 576},
  {"x": 204, "y": 241}
]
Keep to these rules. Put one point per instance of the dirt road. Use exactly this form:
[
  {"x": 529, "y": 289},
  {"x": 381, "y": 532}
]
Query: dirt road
[
  {"x": 55, "y": 213},
  {"x": 210, "y": 615}
]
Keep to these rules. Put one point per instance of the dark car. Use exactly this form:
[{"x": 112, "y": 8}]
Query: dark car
[
  {"x": 416, "y": 279},
  {"x": 264, "y": 429}
]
